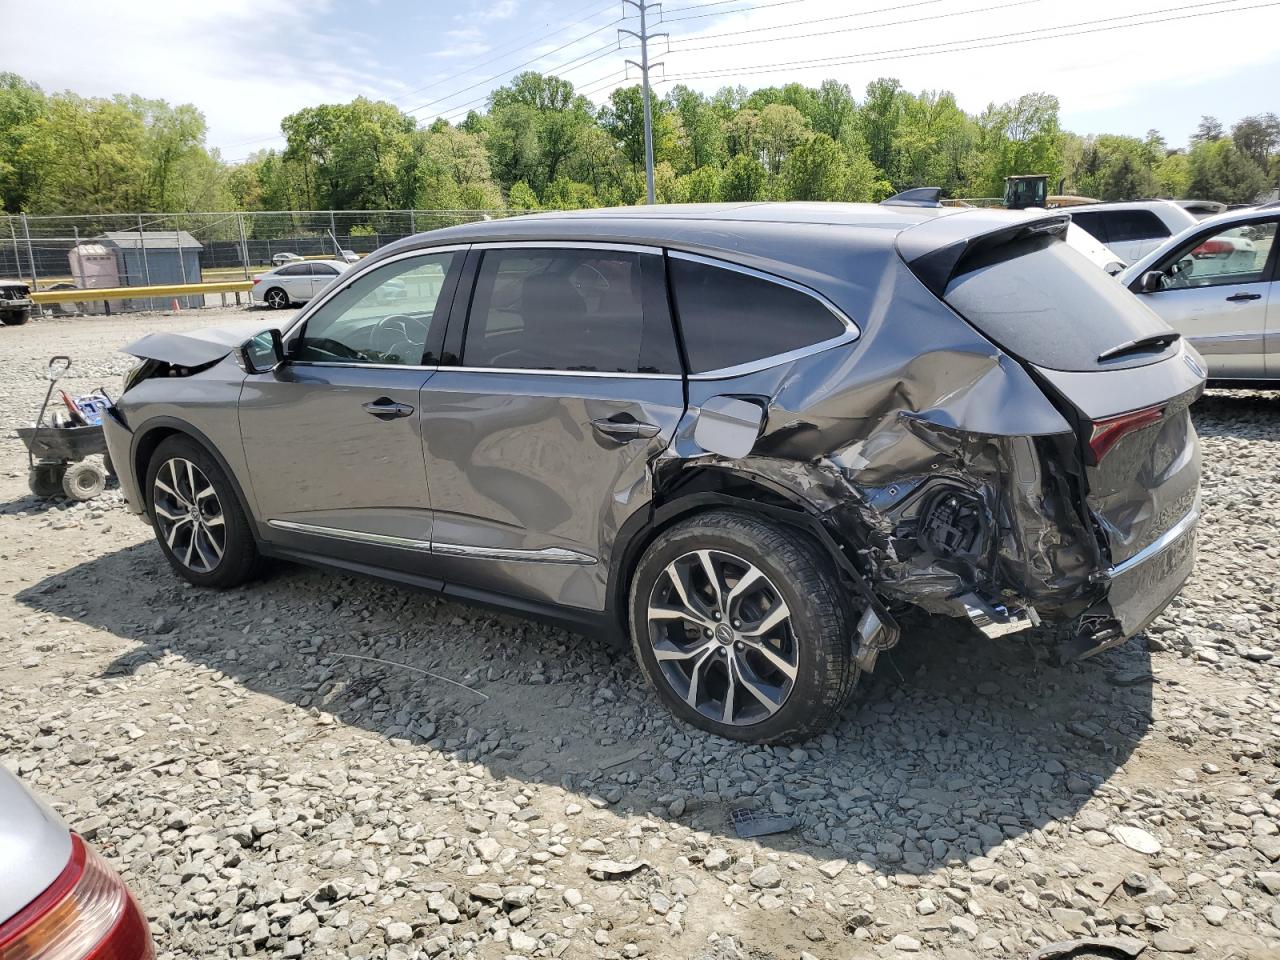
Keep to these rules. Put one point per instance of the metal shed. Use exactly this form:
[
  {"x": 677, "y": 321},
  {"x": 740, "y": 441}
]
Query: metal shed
[{"x": 147, "y": 257}]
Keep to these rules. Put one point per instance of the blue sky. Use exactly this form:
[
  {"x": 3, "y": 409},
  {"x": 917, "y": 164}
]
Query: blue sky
[{"x": 1119, "y": 66}]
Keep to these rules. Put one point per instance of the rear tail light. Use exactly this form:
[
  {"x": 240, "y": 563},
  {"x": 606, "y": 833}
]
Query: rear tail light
[
  {"x": 86, "y": 914},
  {"x": 256, "y": 281},
  {"x": 1108, "y": 431},
  {"x": 1212, "y": 248}
]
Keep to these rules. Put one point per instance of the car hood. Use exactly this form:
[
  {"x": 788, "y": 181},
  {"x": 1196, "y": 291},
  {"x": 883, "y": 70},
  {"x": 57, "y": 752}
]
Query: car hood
[
  {"x": 193, "y": 348},
  {"x": 35, "y": 846}
]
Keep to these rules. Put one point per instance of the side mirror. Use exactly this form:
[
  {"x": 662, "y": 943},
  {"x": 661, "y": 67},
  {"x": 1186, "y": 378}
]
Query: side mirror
[
  {"x": 262, "y": 353},
  {"x": 58, "y": 366},
  {"x": 1151, "y": 281}
]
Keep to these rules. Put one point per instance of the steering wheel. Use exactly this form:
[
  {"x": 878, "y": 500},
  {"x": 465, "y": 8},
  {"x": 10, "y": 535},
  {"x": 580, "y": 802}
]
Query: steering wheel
[
  {"x": 333, "y": 347},
  {"x": 390, "y": 335}
]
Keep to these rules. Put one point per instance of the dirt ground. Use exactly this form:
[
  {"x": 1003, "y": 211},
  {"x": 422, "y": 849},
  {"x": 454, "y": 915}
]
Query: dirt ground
[{"x": 322, "y": 765}]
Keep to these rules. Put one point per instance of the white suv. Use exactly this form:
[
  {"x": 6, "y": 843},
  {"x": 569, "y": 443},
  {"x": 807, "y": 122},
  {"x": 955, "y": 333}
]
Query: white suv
[{"x": 1133, "y": 228}]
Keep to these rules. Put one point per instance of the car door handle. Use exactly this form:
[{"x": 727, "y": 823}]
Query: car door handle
[
  {"x": 384, "y": 408},
  {"x": 1241, "y": 297},
  {"x": 625, "y": 431}
]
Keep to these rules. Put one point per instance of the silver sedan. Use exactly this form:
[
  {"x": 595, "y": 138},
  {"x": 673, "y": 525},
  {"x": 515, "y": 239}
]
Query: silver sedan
[{"x": 1216, "y": 284}]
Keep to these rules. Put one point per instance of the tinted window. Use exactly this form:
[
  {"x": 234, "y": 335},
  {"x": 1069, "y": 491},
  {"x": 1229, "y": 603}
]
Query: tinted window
[
  {"x": 1134, "y": 225},
  {"x": 570, "y": 310},
  {"x": 1231, "y": 256},
  {"x": 388, "y": 315},
  {"x": 1095, "y": 223},
  {"x": 728, "y": 317},
  {"x": 295, "y": 270},
  {"x": 323, "y": 270},
  {"x": 1045, "y": 302}
]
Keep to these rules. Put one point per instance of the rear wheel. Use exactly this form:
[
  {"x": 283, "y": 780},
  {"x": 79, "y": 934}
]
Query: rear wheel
[
  {"x": 741, "y": 628},
  {"x": 15, "y": 318},
  {"x": 276, "y": 298},
  {"x": 197, "y": 518},
  {"x": 45, "y": 479}
]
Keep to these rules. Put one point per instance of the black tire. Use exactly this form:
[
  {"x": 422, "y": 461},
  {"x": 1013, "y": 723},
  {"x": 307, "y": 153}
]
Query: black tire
[
  {"x": 239, "y": 560},
  {"x": 15, "y": 318},
  {"x": 276, "y": 298},
  {"x": 45, "y": 479},
  {"x": 817, "y": 638},
  {"x": 84, "y": 481}
]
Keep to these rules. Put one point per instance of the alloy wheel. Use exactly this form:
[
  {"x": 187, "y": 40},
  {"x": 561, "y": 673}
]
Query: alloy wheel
[
  {"x": 722, "y": 636},
  {"x": 189, "y": 515},
  {"x": 277, "y": 300}
]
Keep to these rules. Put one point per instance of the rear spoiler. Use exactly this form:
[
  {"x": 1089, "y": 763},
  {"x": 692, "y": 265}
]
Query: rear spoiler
[{"x": 936, "y": 249}]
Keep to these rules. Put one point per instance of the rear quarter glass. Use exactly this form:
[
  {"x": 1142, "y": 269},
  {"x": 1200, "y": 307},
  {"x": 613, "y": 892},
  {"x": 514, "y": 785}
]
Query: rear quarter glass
[{"x": 1046, "y": 304}]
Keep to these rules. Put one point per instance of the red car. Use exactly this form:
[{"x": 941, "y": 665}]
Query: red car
[{"x": 59, "y": 900}]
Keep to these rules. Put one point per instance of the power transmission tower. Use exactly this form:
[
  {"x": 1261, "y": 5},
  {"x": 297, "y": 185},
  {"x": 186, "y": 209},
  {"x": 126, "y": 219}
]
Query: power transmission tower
[{"x": 644, "y": 36}]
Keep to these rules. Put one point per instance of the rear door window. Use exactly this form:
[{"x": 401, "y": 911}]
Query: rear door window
[
  {"x": 1094, "y": 222},
  {"x": 1135, "y": 225},
  {"x": 729, "y": 317},
  {"x": 590, "y": 310},
  {"x": 1047, "y": 304}
]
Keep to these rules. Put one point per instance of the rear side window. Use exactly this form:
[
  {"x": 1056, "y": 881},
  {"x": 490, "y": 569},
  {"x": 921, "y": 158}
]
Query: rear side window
[
  {"x": 295, "y": 270},
  {"x": 1095, "y": 223},
  {"x": 1046, "y": 303},
  {"x": 323, "y": 270},
  {"x": 1135, "y": 225},
  {"x": 730, "y": 318},
  {"x": 590, "y": 310}
]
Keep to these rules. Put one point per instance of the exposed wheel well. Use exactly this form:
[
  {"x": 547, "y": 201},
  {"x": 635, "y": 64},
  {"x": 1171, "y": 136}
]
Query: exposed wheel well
[
  {"x": 700, "y": 491},
  {"x": 143, "y": 450}
]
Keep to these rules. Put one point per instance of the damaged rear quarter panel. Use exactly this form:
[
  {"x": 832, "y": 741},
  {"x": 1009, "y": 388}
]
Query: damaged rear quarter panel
[{"x": 918, "y": 407}]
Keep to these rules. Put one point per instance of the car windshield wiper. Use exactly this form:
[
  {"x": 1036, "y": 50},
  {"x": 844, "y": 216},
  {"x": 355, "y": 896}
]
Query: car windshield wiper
[{"x": 1155, "y": 341}]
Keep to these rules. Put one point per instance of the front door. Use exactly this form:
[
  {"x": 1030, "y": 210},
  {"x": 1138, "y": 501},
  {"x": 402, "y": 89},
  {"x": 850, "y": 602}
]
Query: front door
[
  {"x": 333, "y": 437},
  {"x": 539, "y": 443},
  {"x": 1216, "y": 293}
]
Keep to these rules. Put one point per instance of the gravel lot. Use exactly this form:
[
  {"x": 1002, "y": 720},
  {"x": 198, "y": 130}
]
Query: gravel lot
[{"x": 265, "y": 790}]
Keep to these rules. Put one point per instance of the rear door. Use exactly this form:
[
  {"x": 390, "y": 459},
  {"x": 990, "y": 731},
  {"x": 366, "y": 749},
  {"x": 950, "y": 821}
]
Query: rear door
[
  {"x": 322, "y": 275},
  {"x": 296, "y": 280},
  {"x": 1217, "y": 291},
  {"x": 538, "y": 441},
  {"x": 333, "y": 437}
]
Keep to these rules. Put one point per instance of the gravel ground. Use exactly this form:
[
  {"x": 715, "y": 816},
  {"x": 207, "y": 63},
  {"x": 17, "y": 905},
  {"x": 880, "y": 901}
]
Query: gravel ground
[{"x": 273, "y": 772}]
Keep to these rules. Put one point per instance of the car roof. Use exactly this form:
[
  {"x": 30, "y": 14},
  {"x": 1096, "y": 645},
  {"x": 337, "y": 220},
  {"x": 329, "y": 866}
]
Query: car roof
[{"x": 1126, "y": 205}]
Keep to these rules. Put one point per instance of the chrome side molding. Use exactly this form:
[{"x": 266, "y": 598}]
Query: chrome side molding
[{"x": 538, "y": 555}]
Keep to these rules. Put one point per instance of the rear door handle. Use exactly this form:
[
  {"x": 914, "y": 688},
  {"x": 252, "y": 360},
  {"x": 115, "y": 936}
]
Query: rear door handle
[
  {"x": 1241, "y": 297},
  {"x": 384, "y": 408},
  {"x": 625, "y": 431}
]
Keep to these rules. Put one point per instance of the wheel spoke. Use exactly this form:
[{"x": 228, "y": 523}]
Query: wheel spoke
[
  {"x": 191, "y": 479},
  {"x": 772, "y": 620},
  {"x": 161, "y": 485},
  {"x": 206, "y": 492},
  {"x": 214, "y": 521},
  {"x": 713, "y": 577},
  {"x": 745, "y": 583},
  {"x": 678, "y": 613},
  {"x": 209, "y": 539},
  {"x": 785, "y": 667},
  {"x": 747, "y": 679},
  {"x": 191, "y": 545},
  {"x": 691, "y": 612},
  {"x": 665, "y": 650},
  {"x": 726, "y": 713},
  {"x": 171, "y": 517},
  {"x": 695, "y": 677},
  {"x": 173, "y": 530}
]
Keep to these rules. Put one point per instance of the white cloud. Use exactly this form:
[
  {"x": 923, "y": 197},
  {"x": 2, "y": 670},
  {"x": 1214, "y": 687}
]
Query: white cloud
[{"x": 244, "y": 63}]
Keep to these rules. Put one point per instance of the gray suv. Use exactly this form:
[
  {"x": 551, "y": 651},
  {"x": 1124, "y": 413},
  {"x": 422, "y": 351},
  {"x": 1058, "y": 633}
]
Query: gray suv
[{"x": 747, "y": 436}]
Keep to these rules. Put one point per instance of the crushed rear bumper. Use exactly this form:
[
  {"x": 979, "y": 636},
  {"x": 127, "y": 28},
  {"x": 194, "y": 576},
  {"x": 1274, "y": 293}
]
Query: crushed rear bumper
[{"x": 120, "y": 445}]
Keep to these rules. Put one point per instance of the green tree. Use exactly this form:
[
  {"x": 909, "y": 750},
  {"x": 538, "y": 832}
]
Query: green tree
[
  {"x": 22, "y": 104},
  {"x": 1209, "y": 130},
  {"x": 1258, "y": 137},
  {"x": 1217, "y": 170},
  {"x": 743, "y": 179},
  {"x": 781, "y": 129}
]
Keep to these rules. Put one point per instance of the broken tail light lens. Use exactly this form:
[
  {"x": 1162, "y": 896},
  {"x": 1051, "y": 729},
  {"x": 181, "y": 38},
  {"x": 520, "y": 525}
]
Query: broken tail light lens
[
  {"x": 86, "y": 914},
  {"x": 1108, "y": 431}
]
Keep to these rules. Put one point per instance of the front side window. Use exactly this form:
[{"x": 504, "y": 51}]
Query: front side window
[
  {"x": 392, "y": 314},
  {"x": 1135, "y": 225},
  {"x": 570, "y": 310},
  {"x": 730, "y": 318},
  {"x": 1231, "y": 256},
  {"x": 295, "y": 270}
]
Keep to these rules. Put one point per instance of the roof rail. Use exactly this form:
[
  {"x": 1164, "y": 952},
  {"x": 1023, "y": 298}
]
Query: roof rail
[{"x": 915, "y": 197}]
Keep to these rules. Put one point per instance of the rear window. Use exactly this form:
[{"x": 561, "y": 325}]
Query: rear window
[
  {"x": 730, "y": 318},
  {"x": 1135, "y": 225},
  {"x": 1046, "y": 303}
]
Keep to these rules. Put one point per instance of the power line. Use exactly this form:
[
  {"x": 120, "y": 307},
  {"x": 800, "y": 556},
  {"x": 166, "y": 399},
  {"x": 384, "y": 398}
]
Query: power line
[
  {"x": 519, "y": 45},
  {"x": 843, "y": 16},
  {"x": 903, "y": 53},
  {"x": 511, "y": 70},
  {"x": 725, "y": 13}
]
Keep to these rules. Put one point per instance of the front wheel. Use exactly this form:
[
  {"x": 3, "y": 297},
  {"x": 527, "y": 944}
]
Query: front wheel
[
  {"x": 741, "y": 627},
  {"x": 15, "y": 318},
  {"x": 197, "y": 518}
]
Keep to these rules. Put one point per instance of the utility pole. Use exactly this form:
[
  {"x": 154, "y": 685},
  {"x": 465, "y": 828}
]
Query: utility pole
[{"x": 644, "y": 36}]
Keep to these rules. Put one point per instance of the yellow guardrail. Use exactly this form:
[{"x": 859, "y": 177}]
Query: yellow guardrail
[{"x": 94, "y": 294}]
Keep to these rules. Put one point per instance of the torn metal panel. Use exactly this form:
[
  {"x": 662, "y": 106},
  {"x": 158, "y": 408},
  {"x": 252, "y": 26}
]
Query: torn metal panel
[{"x": 193, "y": 348}]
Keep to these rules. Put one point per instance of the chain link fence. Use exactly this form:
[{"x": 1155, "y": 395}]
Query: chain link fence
[{"x": 138, "y": 249}]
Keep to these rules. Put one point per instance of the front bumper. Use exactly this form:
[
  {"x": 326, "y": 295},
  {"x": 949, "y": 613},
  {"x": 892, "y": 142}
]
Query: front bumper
[{"x": 120, "y": 445}]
